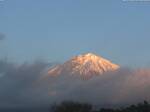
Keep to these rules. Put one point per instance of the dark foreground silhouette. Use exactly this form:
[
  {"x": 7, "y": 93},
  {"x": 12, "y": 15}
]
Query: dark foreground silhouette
[{"x": 69, "y": 106}]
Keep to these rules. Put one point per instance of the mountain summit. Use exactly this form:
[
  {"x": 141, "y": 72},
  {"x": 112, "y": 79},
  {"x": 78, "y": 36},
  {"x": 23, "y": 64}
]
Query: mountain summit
[{"x": 84, "y": 65}]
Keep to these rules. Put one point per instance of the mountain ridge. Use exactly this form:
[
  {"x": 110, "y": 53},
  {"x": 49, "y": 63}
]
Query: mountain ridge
[{"x": 87, "y": 65}]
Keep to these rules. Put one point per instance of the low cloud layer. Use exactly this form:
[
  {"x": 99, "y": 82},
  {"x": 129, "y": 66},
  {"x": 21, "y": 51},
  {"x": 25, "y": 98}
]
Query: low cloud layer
[
  {"x": 17, "y": 83},
  {"x": 114, "y": 89},
  {"x": 28, "y": 85}
]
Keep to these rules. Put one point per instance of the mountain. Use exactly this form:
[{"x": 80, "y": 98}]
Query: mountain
[{"x": 85, "y": 65}]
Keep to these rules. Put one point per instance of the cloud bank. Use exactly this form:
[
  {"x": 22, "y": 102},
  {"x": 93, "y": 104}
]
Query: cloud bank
[
  {"x": 118, "y": 88},
  {"x": 28, "y": 85}
]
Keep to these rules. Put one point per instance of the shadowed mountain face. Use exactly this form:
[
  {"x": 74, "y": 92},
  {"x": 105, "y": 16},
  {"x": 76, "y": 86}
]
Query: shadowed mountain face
[{"x": 86, "y": 65}]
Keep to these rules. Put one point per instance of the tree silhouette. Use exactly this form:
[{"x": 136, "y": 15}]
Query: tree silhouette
[
  {"x": 83, "y": 107},
  {"x": 69, "y": 106}
]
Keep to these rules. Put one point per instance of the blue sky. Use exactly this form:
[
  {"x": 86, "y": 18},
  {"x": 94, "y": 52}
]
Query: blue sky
[{"x": 56, "y": 30}]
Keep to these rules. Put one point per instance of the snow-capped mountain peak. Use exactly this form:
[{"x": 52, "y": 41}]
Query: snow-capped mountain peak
[{"x": 84, "y": 65}]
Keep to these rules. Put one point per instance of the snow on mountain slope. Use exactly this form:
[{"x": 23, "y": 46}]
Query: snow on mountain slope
[{"x": 84, "y": 65}]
